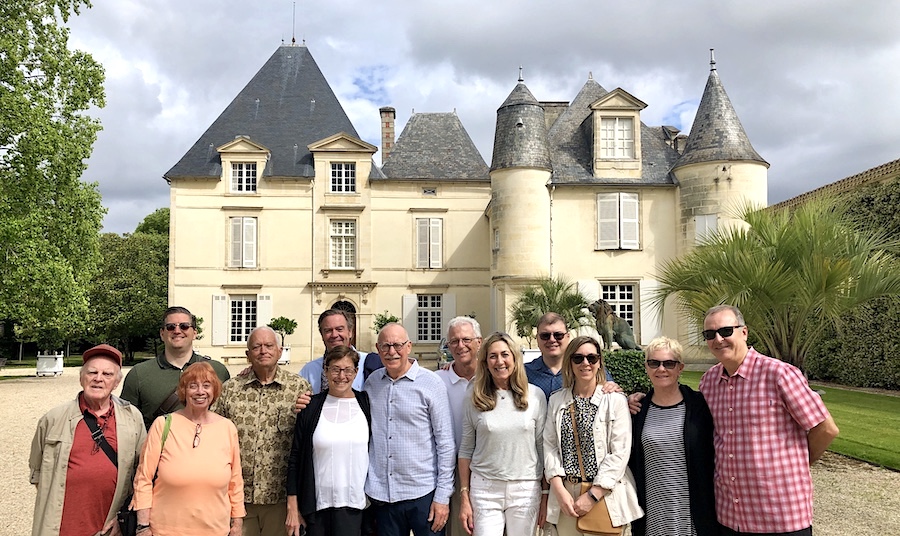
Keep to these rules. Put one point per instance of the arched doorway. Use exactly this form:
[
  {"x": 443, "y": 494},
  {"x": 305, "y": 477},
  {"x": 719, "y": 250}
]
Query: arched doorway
[{"x": 350, "y": 309}]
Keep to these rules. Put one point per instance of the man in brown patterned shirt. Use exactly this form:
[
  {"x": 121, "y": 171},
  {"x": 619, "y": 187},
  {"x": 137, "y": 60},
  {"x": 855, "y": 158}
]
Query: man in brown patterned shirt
[{"x": 261, "y": 405}]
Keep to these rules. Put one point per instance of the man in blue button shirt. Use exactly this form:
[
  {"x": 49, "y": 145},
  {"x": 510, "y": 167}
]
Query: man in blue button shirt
[{"x": 412, "y": 450}]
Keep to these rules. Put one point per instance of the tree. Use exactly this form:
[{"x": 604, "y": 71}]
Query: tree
[
  {"x": 155, "y": 223},
  {"x": 383, "y": 319},
  {"x": 49, "y": 219},
  {"x": 283, "y": 326},
  {"x": 130, "y": 294},
  {"x": 554, "y": 294},
  {"x": 791, "y": 273}
]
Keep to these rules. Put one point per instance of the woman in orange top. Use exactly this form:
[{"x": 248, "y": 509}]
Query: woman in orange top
[{"x": 192, "y": 484}]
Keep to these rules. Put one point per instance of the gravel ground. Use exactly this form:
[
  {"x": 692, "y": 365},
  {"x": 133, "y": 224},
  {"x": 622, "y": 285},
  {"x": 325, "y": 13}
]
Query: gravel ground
[{"x": 851, "y": 497}]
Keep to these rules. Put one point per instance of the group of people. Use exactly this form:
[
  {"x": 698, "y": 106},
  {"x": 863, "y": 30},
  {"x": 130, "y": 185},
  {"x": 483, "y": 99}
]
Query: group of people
[{"x": 375, "y": 444}]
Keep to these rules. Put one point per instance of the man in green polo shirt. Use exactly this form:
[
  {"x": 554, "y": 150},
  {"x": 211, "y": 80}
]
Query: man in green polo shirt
[{"x": 150, "y": 385}]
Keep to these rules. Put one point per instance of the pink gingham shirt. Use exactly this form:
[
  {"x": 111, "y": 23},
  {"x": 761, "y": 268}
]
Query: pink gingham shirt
[{"x": 762, "y": 415}]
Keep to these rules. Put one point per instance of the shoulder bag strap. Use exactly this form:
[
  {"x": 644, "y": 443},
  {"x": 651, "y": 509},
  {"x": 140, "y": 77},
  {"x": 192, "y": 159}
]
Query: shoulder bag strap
[
  {"x": 99, "y": 439},
  {"x": 162, "y": 446},
  {"x": 577, "y": 441},
  {"x": 168, "y": 405}
]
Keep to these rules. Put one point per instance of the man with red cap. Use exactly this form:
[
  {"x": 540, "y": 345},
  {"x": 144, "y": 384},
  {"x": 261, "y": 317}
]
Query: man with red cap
[{"x": 84, "y": 453}]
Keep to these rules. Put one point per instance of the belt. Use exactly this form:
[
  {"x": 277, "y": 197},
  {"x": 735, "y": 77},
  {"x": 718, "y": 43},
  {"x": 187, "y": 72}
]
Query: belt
[{"x": 575, "y": 479}]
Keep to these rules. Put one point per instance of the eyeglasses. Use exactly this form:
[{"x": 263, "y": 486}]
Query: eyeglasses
[
  {"x": 558, "y": 335},
  {"x": 724, "y": 332},
  {"x": 465, "y": 340},
  {"x": 268, "y": 346},
  {"x": 197, "y": 435},
  {"x": 579, "y": 358},
  {"x": 386, "y": 347},
  {"x": 337, "y": 371},
  {"x": 669, "y": 364},
  {"x": 183, "y": 326}
]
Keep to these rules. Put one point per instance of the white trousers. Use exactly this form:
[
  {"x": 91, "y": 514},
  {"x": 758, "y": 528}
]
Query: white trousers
[{"x": 512, "y": 504}]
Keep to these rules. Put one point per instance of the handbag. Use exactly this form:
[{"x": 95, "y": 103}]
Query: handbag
[
  {"x": 597, "y": 520},
  {"x": 126, "y": 516}
]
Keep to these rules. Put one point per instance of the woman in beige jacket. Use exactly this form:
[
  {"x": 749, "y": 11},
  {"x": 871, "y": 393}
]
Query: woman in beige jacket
[{"x": 604, "y": 431}]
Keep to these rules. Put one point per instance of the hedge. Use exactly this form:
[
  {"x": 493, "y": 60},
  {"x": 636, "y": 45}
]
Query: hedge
[{"x": 627, "y": 369}]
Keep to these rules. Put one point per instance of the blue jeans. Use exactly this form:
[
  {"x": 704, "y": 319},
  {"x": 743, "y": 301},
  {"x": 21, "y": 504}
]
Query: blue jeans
[{"x": 399, "y": 518}]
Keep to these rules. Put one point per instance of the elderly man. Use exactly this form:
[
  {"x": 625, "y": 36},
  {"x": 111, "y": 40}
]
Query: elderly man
[
  {"x": 410, "y": 476},
  {"x": 464, "y": 340},
  {"x": 84, "y": 453},
  {"x": 765, "y": 416},
  {"x": 151, "y": 385},
  {"x": 336, "y": 328},
  {"x": 260, "y": 405}
]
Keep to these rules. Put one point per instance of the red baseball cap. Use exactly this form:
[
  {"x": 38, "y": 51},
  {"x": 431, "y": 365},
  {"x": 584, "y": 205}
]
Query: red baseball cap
[{"x": 103, "y": 350}]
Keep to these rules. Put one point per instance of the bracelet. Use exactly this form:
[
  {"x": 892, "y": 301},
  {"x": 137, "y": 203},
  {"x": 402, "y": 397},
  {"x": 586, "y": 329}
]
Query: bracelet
[
  {"x": 592, "y": 496},
  {"x": 139, "y": 527},
  {"x": 464, "y": 489}
]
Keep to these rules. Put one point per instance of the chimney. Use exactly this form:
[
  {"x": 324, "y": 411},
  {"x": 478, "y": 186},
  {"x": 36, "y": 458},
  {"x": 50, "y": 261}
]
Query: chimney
[{"x": 388, "y": 115}]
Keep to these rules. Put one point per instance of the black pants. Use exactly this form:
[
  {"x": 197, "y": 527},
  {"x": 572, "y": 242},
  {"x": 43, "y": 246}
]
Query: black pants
[{"x": 335, "y": 522}]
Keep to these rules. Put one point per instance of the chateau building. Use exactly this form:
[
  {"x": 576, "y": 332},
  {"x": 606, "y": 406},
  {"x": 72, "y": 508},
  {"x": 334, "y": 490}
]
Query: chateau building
[{"x": 279, "y": 209}]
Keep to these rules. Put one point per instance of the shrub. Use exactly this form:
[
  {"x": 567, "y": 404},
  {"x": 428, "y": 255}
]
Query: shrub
[{"x": 627, "y": 369}]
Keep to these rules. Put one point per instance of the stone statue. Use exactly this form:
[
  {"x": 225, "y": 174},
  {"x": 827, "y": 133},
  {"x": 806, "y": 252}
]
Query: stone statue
[{"x": 612, "y": 327}]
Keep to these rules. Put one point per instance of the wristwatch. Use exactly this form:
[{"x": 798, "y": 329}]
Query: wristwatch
[
  {"x": 140, "y": 527},
  {"x": 592, "y": 496}
]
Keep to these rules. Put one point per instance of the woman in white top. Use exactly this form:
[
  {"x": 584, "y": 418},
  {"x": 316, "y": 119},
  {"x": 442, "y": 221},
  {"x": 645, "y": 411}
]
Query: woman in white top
[
  {"x": 500, "y": 458},
  {"x": 330, "y": 455},
  {"x": 603, "y": 425}
]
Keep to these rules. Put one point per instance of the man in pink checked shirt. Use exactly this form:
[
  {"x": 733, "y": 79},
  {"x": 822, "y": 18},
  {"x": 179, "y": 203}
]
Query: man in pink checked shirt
[{"x": 769, "y": 427}]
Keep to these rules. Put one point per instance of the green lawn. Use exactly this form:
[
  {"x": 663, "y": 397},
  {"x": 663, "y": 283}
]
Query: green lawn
[{"x": 869, "y": 423}]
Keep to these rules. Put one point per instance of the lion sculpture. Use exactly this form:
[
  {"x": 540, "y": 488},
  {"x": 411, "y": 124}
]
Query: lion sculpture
[{"x": 612, "y": 327}]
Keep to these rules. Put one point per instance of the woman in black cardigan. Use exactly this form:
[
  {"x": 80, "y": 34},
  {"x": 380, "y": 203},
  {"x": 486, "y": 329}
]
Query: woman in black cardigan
[
  {"x": 339, "y": 452},
  {"x": 672, "y": 456}
]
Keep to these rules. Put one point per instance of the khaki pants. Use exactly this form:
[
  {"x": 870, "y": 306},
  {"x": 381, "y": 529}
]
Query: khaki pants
[{"x": 265, "y": 519}]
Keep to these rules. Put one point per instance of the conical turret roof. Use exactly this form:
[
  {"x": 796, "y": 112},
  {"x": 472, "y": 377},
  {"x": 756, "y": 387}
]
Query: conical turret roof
[
  {"x": 717, "y": 133},
  {"x": 520, "y": 138}
]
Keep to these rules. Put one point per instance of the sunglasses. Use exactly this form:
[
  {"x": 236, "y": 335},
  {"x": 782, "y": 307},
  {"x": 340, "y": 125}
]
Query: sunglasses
[
  {"x": 558, "y": 335},
  {"x": 591, "y": 358},
  {"x": 183, "y": 326},
  {"x": 724, "y": 332},
  {"x": 669, "y": 364}
]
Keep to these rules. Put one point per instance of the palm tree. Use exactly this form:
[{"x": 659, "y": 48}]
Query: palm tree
[
  {"x": 790, "y": 273},
  {"x": 554, "y": 294}
]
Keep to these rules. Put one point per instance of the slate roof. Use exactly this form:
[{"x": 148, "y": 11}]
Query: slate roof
[
  {"x": 571, "y": 146},
  {"x": 520, "y": 136},
  {"x": 717, "y": 133},
  {"x": 435, "y": 146},
  {"x": 286, "y": 106}
]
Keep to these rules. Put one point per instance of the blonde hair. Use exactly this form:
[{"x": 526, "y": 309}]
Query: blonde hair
[
  {"x": 664, "y": 343},
  {"x": 574, "y": 345},
  {"x": 483, "y": 389}
]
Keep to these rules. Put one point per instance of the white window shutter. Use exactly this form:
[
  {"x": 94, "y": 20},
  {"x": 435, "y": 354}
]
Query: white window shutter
[
  {"x": 608, "y": 221},
  {"x": 249, "y": 243},
  {"x": 422, "y": 243},
  {"x": 436, "y": 242},
  {"x": 263, "y": 309},
  {"x": 408, "y": 316},
  {"x": 219, "y": 319},
  {"x": 630, "y": 226},
  {"x": 448, "y": 308},
  {"x": 237, "y": 232}
]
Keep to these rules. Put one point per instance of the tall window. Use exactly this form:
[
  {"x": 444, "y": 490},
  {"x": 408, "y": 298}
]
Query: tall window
[
  {"x": 243, "y": 317},
  {"x": 618, "y": 226},
  {"x": 616, "y": 137},
  {"x": 428, "y": 317},
  {"x": 343, "y": 177},
  {"x": 621, "y": 298},
  {"x": 243, "y": 177},
  {"x": 705, "y": 226},
  {"x": 243, "y": 242},
  {"x": 343, "y": 243},
  {"x": 429, "y": 242}
]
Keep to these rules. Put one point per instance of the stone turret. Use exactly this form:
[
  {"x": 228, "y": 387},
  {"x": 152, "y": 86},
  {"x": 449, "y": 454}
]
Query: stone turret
[
  {"x": 719, "y": 169},
  {"x": 519, "y": 211}
]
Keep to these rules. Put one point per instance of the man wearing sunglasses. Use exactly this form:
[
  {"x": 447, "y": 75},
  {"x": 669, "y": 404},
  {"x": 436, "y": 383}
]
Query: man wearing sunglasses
[
  {"x": 765, "y": 416},
  {"x": 552, "y": 340},
  {"x": 150, "y": 385}
]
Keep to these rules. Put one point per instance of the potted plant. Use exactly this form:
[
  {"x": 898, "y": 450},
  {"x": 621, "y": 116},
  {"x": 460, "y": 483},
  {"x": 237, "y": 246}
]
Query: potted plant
[{"x": 284, "y": 326}]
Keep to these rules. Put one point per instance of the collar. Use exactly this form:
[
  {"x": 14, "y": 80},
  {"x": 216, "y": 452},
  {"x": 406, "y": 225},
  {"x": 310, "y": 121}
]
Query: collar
[
  {"x": 164, "y": 363},
  {"x": 542, "y": 367},
  {"x": 454, "y": 377},
  {"x": 279, "y": 378},
  {"x": 745, "y": 369},
  {"x": 82, "y": 407},
  {"x": 409, "y": 374}
]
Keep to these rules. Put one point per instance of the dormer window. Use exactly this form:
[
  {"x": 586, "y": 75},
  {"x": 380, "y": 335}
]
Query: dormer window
[
  {"x": 343, "y": 177},
  {"x": 616, "y": 137},
  {"x": 243, "y": 177}
]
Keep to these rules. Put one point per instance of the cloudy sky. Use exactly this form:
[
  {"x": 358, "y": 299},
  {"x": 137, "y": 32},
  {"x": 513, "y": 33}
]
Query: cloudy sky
[{"x": 814, "y": 82}]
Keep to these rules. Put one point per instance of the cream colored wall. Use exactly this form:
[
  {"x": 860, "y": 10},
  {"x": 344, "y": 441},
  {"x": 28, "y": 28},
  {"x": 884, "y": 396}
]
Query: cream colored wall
[{"x": 520, "y": 209}]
